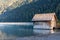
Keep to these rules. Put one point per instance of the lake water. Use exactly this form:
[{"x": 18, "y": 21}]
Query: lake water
[{"x": 12, "y": 31}]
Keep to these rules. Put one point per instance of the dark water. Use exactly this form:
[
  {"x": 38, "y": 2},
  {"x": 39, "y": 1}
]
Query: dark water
[{"x": 13, "y": 31}]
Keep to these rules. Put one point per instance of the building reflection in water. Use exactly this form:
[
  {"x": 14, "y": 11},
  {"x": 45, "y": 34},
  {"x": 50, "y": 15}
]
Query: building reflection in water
[
  {"x": 43, "y": 31},
  {"x": 52, "y": 31}
]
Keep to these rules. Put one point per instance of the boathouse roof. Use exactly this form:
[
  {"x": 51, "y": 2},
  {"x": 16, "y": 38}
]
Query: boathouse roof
[{"x": 43, "y": 17}]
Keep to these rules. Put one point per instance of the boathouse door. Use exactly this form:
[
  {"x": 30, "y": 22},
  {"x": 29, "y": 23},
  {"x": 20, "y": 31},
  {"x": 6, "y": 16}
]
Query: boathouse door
[{"x": 42, "y": 25}]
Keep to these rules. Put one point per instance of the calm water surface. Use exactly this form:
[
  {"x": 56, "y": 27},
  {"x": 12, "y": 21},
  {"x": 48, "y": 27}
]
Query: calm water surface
[{"x": 13, "y": 31}]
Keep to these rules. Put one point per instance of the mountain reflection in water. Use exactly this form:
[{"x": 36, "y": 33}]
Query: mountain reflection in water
[{"x": 12, "y": 31}]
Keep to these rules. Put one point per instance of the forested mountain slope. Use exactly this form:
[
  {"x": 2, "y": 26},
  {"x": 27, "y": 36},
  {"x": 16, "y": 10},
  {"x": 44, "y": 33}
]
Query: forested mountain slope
[{"x": 25, "y": 11}]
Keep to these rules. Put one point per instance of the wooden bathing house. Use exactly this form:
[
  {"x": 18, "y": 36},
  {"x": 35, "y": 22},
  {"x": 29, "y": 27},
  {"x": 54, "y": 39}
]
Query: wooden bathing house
[{"x": 45, "y": 20}]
